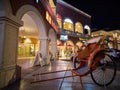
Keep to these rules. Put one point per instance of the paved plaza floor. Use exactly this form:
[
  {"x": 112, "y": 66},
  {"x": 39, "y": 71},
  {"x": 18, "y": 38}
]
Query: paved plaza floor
[{"x": 31, "y": 74}]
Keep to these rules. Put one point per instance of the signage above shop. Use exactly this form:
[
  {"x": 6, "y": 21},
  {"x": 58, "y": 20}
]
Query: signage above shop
[
  {"x": 64, "y": 37},
  {"x": 83, "y": 39}
]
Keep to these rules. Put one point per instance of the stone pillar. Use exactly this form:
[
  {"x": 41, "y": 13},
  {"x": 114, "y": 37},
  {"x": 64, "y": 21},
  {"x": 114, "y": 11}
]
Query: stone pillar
[
  {"x": 44, "y": 49},
  {"x": 8, "y": 50},
  {"x": 54, "y": 49}
]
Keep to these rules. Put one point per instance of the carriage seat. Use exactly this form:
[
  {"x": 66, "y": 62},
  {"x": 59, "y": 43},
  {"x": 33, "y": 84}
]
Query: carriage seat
[
  {"x": 93, "y": 40},
  {"x": 89, "y": 47}
]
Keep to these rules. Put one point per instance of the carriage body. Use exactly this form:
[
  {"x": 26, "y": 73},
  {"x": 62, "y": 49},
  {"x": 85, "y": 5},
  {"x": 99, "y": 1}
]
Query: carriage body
[{"x": 93, "y": 58}]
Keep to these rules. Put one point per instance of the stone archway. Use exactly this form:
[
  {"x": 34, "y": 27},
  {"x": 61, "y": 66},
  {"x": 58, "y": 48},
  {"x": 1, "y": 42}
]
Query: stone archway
[
  {"x": 9, "y": 29},
  {"x": 37, "y": 17},
  {"x": 41, "y": 26}
]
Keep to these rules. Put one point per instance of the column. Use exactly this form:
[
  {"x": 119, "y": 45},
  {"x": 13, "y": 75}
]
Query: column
[
  {"x": 44, "y": 49},
  {"x": 54, "y": 49},
  {"x": 8, "y": 50}
]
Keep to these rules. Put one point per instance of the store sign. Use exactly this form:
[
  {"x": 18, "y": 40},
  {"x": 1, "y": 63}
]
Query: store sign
[
  {"x": 83, "y": 39},
  {"x": 64, "y": 37}
]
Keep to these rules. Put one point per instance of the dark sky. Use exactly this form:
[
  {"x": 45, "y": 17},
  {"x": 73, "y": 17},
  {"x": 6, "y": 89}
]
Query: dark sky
[{"x": 105, "y": 13}]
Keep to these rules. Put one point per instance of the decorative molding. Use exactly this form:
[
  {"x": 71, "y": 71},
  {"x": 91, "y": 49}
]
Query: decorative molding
[
  {"x": 7, "y": 67},
  {"x": 10, "y": 21}
]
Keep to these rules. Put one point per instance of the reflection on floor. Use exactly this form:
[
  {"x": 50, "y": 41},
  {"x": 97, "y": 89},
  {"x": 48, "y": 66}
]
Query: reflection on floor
[
  {"x": 25, "y": 62},
  {"x": 60, "y": 84},
  {"x": 64, "y": 58}
]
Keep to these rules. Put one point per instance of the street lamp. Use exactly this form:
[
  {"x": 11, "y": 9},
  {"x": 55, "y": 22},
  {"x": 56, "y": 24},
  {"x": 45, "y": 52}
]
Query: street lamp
[{"x": 115, "y": 44}]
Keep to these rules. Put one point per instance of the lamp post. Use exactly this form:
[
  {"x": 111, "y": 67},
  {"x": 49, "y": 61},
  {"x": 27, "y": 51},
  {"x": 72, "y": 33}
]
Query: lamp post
[{"x": 115, "y": 44}]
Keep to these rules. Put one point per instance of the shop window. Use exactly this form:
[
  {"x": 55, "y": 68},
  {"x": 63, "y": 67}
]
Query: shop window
[
  {"x": 68, "y": 25},
  {"x": 78, "y": 27},
  {"x": 28, "y": 47}
]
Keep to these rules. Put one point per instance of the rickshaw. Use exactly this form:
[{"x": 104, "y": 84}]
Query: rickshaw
[
  {"x": 96, "y": 59},
  {"x": 92, "y": 58}
]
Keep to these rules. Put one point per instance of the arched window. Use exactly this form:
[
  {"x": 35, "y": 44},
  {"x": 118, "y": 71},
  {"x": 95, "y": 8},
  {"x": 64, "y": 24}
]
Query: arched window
[
  {"x": 68, "y": 24},
  {"x": 59, "y": 20},
  {"x": 86, "y": 27},
  {"x": 78, "y": 27}
]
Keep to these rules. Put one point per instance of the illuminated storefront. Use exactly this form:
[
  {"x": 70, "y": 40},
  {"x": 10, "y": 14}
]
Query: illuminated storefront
[
  {"x": 28, "y": 47},
  {"x": 65, "y": 49}
]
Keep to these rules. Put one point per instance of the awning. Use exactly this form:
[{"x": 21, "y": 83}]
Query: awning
[{"x": 60, "y": 44}]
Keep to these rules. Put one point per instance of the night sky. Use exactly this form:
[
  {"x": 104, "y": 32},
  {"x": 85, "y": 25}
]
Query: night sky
[{"x": 105, "y": 13}]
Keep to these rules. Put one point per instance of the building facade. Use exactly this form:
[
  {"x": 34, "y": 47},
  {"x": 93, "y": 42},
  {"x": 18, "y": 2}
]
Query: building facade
[
  {"x": 74, "y": 27},
  {"x": 29, "y": 26}
]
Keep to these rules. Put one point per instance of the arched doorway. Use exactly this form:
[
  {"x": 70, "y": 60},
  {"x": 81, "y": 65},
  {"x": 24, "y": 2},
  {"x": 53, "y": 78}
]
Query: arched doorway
[
  {"x": 66, "y": 49},
  {"x": 11, "y": 21},
  {"x": 69, "y": 49},
  {"x": 34, "y": 33},
  {"x": 28, "y": 43}
]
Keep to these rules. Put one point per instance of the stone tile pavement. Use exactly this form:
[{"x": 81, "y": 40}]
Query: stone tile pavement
[{"x": 59, "y": 84}]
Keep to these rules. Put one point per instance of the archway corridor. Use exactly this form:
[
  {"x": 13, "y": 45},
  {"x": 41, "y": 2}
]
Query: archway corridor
[{"x": 28, "y": 43}]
